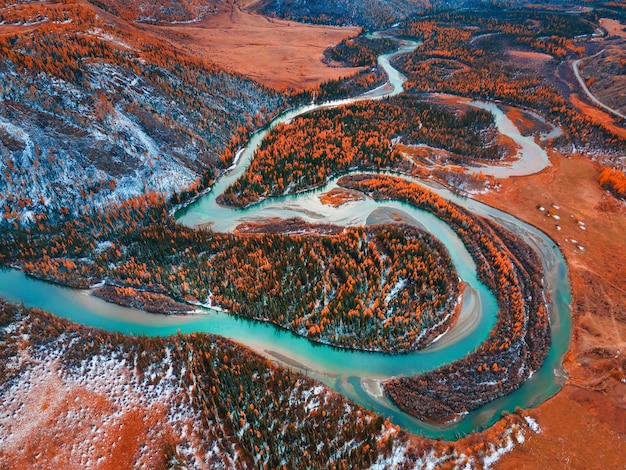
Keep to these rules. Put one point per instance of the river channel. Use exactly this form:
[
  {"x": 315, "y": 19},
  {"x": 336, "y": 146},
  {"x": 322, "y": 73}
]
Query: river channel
[{"x": 355, "y": 374}]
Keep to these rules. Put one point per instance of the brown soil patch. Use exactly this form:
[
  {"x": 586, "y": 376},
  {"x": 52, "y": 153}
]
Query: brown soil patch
[
  {"x": 585, "y": 419},
  {"x": 415, "y": 151},
  {"x": 529, "y": 56},
  {"x": 571, "y": 438},
  {"x": 613, "y": 27},
  {"x": 63, "y": 425},
  {"x": 449, "y": 100},
  {"x": 519, "y": 118},
  {"x": 599, "y": 116},
  {"x": 536, "y": 63},
  {"x": 421, "y": 154},
  {"x": 279, "y": 54},
  {"x": 339, "y": 197},
  {"x": 12, "y": 29},
  {"x": 509, "y": 146},
  {"x": 525, "y": 122}
]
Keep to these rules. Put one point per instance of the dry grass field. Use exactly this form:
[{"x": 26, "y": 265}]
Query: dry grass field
[
  {"x": 279, "y": 54},
  {"x": 584, "y": 425}
]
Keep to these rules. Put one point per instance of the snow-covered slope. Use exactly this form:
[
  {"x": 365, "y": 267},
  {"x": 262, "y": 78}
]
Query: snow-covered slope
[
  {"x": 73, "y": 397},
  {"x": 90, "y": 114},
  {"x": 161, "y": 11}
]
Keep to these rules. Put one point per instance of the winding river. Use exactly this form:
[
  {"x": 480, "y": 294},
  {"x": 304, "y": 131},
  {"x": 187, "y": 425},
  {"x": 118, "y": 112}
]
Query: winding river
[{"x": 355, "y": 374}]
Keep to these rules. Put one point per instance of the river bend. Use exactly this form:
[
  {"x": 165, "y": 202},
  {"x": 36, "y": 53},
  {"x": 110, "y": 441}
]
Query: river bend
[{"x": 355, "y": 374}]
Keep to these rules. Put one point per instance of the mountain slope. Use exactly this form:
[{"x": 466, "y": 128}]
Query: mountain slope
[
  {"x": 160, "y": 11},
  {"x": 368, "y": 13},
  {"x": 371, "y": 14},
  {"x": 92, "y": 111}
]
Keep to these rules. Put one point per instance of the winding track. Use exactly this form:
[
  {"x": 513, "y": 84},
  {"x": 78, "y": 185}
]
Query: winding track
[{"x": 583, "y": 85}]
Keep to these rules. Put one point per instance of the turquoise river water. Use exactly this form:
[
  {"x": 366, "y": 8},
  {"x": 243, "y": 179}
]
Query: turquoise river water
[{"x": 355, "y": 374}]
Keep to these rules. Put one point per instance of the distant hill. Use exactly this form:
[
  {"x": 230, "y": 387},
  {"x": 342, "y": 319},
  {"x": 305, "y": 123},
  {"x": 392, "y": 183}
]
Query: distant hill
[
  {"x": 367, "y": 13},
  {"x": 160, "y": 11},
  {"x": 91, "y": 110}
]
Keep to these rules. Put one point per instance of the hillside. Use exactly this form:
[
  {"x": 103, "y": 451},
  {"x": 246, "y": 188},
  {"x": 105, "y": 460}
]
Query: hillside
[
  {"x": 276, "y": 53},
  {"x": 371, "y": 14},
  {"x": 115, "y": 113},
  {"x": 368, "y": 13},
  {"x": 605, "y": 72},
  {"x": 92, "y": 111},
  {"x": 78, "y": 397},
  {"x": 161, "y": 11}
]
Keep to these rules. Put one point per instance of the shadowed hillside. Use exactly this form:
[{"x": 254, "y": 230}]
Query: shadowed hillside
[
  {"x": 160, "y": 11},
  {"x": 368, "y": 13}
]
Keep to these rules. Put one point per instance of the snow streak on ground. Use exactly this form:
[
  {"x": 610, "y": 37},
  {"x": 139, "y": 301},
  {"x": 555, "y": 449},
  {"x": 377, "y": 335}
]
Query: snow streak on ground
[
  {"x": 100, "y": 413},
  {"x": 76, "y": 399}
]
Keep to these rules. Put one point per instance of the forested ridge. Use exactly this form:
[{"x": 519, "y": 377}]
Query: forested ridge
[
  {"x": 161, "y": 11},
  {"x": 92, "y": 111},
  {"x": 368, "y": 13},
  {"x": 153, "y": 11},
  {"x": 360, "y": 51}
]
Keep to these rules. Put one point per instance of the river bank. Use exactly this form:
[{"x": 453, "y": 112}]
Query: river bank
[{"x": 585, "y": 422}]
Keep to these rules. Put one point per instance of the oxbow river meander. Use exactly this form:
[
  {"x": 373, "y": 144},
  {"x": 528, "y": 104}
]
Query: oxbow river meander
[{"x": 355, "y": 374}]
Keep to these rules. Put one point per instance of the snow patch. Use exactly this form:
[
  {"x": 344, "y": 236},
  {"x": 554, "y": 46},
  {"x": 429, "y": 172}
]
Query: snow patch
[
  {"x": 395, "y": 290},
  {"x": 532, "y": 424}
]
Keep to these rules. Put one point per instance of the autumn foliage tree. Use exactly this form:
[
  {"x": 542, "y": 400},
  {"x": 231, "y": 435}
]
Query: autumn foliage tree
[
  {"x": 614, "y": 181},
  {"x": 310, "y": 150}
]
